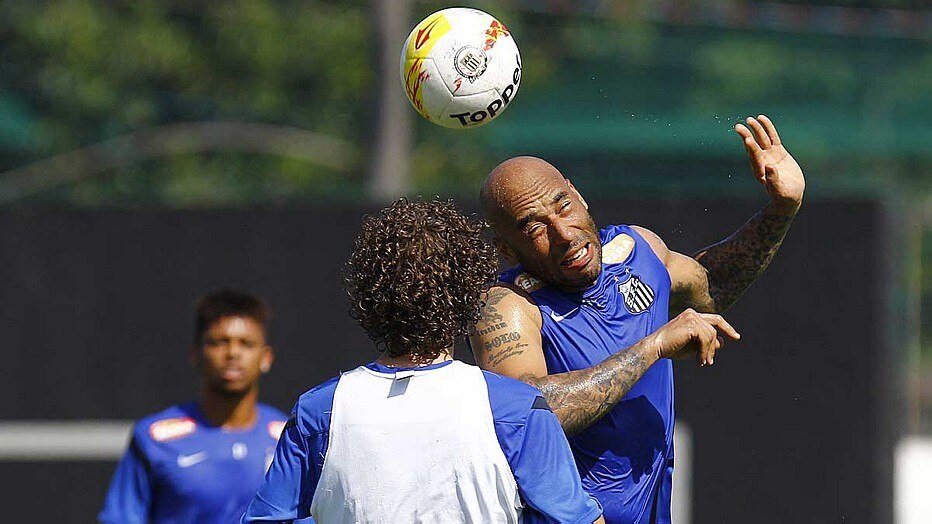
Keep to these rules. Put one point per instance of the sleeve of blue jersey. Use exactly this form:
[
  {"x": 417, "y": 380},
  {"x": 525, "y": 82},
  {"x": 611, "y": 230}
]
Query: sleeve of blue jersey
[
  {"x": 288, "y": 489},
  {"x": 129, "y": 497},
  {"x": 539, "y": 455}
]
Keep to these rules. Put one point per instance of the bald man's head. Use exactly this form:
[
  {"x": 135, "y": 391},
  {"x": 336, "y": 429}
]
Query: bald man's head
[
  {"x": 512, "y": 177},
  {"x": 542, "y": 222}
]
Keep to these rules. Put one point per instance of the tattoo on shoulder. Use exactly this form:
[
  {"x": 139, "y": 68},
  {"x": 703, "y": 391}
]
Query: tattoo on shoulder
[
  {"x": 491, "y": 319},
  {"x": 506, "y": 353},
  {"x": 495, "y": 295},
  {"x": 501, "y": 340},
  {"x": 503, "y": 347}
]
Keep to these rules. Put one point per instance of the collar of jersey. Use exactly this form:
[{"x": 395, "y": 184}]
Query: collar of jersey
[
  {"x": 379, "y": 368},
  {"x": 193, "y": 409}
]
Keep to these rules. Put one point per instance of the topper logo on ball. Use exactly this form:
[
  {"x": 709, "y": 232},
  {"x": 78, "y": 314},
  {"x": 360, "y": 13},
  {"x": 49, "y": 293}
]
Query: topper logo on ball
[{"x": 477, "y": 117}]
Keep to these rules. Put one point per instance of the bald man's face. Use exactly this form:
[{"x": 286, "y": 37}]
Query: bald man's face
[{"x": 544, "y": 224}]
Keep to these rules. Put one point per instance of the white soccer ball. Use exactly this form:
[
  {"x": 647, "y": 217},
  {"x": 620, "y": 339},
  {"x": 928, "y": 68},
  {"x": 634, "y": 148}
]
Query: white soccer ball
[{"x": 460, "y": 68}]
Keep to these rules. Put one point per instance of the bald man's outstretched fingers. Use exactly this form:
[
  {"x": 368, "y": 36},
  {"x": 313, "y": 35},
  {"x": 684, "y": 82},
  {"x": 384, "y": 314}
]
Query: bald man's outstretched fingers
[
  {"x": 706, "y": 338},
  {"x": 721, "y": 325},
  {"x": 744, "y": 132},
  {"x": 770, "y": 128},
  {"x": 759, "y": 134}
]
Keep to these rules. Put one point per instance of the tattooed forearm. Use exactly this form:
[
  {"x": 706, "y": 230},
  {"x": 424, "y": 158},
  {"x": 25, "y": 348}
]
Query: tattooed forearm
[
  {"x": 579, "y": 398},
  {"x": 736, "y": 262}
]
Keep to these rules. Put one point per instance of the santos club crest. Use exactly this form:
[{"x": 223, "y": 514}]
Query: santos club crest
[{"x": 637, "y": 294}]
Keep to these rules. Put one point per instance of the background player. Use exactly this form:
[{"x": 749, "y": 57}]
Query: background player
[
  {"x": 203, "y": 461},
  {"x": 570, "y": 317},
  {"x": 416, "y": 436}
]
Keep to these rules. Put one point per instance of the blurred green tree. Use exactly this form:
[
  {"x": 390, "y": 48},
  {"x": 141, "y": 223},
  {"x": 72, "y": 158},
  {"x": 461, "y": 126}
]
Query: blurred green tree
[{"x": 90, "y": 70}]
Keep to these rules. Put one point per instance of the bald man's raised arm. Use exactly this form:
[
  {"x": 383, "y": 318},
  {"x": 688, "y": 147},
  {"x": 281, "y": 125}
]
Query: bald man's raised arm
[{"x": 507, "y": 341}]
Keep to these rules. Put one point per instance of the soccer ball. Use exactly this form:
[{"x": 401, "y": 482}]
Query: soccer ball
[{"x": 460, "y": 68}]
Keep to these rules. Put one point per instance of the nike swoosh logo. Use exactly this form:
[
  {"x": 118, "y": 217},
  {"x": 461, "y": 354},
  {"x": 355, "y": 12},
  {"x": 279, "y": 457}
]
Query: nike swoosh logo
[
  {"x": 186, "y": 461},
  {"x": 558, "y": 318},
  {"x": 418, "y": 41}
]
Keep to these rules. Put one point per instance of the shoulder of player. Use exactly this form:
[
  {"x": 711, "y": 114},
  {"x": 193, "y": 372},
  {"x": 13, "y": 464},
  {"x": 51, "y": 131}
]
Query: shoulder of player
[
  {"x": 267, "y": 412},
  {"x": 173, "y": 423},
  {"x": 272, "y": 420},
  {"x": 654, "y": 241},
  {"x": 512, "y": 400},
  {"x": 312, "y": 411},
  {"x": 507, "y": 298}
]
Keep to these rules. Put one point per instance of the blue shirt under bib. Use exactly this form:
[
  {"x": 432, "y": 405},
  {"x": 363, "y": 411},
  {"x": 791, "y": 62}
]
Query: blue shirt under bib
[{"x": 626, "y": 458}]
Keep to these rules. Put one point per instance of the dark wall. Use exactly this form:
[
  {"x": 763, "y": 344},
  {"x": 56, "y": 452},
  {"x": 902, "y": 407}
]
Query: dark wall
[{"x": 790, "y": 425}]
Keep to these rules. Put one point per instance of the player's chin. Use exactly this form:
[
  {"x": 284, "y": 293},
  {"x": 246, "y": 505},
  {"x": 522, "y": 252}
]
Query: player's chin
[
  {"x": 577, "y": 281},
  {"x": 581, "y": 276},
  {"x": 233, "y": 387}
]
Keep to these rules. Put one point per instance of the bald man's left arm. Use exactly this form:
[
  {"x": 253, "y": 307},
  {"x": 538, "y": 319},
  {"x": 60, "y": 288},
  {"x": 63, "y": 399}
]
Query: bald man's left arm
[{"x": 716, "y": 277}]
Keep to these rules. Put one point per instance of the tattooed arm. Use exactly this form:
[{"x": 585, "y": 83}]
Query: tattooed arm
[
  {"x": 715, "y": 277},
  {"x": 507, "y": 341}
]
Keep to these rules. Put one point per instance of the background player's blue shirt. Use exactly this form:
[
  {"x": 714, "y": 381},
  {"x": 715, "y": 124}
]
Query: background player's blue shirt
[
  {"x": 528, "y": 432},
  {"x": 626, "y": 457},
  {"x": 179, "y": 468}
]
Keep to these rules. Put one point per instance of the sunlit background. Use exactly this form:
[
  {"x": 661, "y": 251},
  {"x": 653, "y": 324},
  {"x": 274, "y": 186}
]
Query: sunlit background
[{"x": 260, "y": 103}]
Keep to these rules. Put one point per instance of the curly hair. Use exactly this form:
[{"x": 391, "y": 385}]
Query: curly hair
[{"x": 416, "y": 277}]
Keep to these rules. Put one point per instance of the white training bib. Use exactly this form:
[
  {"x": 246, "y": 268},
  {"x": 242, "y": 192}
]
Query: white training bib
[{"x": 414, "y": 446}]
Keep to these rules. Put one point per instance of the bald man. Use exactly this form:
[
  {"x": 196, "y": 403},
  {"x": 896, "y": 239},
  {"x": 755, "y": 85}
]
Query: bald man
[{"x": 584, "y": 315}]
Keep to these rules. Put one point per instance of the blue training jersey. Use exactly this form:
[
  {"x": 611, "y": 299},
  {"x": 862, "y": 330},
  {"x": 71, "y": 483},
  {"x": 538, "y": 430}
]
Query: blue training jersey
[
  {"x": 179, "y": 468},
  {"x": 626, "y": 457},
  {"x": 527, "y": 432}
]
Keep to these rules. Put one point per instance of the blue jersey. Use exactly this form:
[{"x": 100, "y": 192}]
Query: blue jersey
[
  {"x": 179, "y": 468},
  {"x": 405, "y": 440},
  {"x": 626, "y": 457}
]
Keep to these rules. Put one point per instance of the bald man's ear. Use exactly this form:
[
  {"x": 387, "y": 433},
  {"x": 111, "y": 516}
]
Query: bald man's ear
[
  {"x": 573, "y": 189},
  {"x": 505, "y": 250}
]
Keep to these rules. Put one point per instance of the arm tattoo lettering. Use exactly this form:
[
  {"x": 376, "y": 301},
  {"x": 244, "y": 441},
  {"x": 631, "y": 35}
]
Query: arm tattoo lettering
[
  {"x": 736, "y": 262},
  {"x": 506, "y": 353},
  {"x": 500, "y": 340},
  {"x": 503, "y": 347},
  {"x": 499, "y": 345}
]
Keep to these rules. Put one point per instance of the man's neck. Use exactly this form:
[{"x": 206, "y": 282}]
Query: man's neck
[
  {"x": 408, "y": 361},
  {"x": 229, "y": 411}
]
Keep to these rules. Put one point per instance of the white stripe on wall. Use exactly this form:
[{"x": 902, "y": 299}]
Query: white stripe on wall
[
  {"x": 682, "y": 473},
  {"x": 96, "y": 440},
  {"x": 912, "y": 478},
  {"x": 50, "y": 440}
]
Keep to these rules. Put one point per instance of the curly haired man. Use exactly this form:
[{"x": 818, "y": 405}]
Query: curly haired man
[{"x": 417, "y": 436}]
